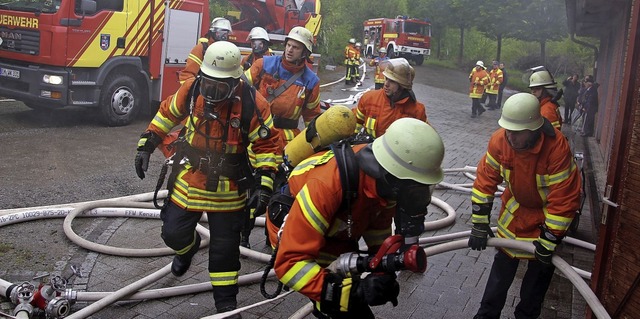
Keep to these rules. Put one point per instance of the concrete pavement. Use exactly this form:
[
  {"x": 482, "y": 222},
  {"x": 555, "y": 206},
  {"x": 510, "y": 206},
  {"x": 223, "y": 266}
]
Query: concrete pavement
[{"x": 451, "y": 287}]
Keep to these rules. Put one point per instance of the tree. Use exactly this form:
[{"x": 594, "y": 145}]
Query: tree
[
  {"x": 496, "y": 20},
  {"x": 463, "y": 14},
  {"x": 543, "y": 21}
]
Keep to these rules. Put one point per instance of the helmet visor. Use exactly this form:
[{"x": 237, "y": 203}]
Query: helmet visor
[
  {"x": 220, "y": 34},
  {"x": 213, "y": 90},
  {"x": 257, "y": 45}
]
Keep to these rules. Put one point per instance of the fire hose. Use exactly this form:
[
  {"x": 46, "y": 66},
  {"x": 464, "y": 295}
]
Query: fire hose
[{"x": 133, "y": 293}]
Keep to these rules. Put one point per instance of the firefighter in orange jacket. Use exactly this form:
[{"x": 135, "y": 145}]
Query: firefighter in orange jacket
[
  {"x": 379, "y": 62},
  {"x": 260, "y": 43},
  {"x": 377, "y": 109},
  {"x": 398, "y": 167},
  {"x": 539, "y": 202},
  {"x": 495, "y": 79},
  {"x": 350, "y": 54},
  {"x": 218, "y": 31},
  {"x": 544, "y": 87},
  {"x": 478, "y": 78},
  {"x": 292, "y": 89},
  {"x": 217, "y": 174}
]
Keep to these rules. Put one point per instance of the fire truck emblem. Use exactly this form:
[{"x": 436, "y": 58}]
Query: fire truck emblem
[{"x": 105, "y": 41}]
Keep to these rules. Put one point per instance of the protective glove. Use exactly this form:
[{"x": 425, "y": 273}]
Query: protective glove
[
  {"x": 260, "y": 196},
  {"x": 146, "y": 145},
  {"x": 374, "y": 290},
  {"x": 480, "y": 229},
  {"x": 546, "y": 245},
  {"x": 478, "y": 238},
  {"x": 142, "y": 163},
  {"x": 378, "y": 288}
]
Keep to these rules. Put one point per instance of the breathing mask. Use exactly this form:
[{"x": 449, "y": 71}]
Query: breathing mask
[{"x": 214, "y": 91}]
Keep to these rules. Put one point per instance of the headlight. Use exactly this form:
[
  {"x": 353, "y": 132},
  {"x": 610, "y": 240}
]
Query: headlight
[{"x": 52, "y": 79}]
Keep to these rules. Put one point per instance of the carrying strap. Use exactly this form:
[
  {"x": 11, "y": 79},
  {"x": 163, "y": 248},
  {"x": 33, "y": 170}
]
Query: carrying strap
[
  {"x": 349, "y": 177},
  {"x": 275, "y": 93}
]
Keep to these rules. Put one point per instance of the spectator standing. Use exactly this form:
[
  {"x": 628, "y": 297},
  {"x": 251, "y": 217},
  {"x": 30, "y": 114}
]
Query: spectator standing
[
  {"x": 478, "y": 78},
  {"x": 502, "y": 85},
  {"x": 538, "y": 204},
  {"x": 589, "y": 104},
  {"x": 495, "y": 79},
  {"x": 571, "y": 88}
]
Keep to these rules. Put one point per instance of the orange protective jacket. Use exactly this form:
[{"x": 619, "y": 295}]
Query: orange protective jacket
[
  {"x": 549, "y": 110},
  {"x": 302, "y": 98},
  {"x": 542, "y": 187},
  {"x": 248, "y": 60},
  {"x": 378, "y": 62},
  {"x": 194, "y": 60},
  {"x": 375, "y": 111},
  {"x": 478, "y": 79},
  {"x": 315, "y": 231},
  {"x": 351, "y": 54},
  {"x": 495, "y": 79},
  {"x": 189, "y": 190}
]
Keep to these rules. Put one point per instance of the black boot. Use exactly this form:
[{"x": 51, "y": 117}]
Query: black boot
[
  {"x": 181, "y": 263},
  {"x": 225, "y": 299}
]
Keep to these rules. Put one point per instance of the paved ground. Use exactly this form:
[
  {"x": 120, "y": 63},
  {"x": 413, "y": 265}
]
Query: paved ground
[{"x": 451, "y": 287}]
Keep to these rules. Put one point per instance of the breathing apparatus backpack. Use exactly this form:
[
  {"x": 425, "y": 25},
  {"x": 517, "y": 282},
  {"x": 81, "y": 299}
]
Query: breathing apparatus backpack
[
  {"x": 176, "y": 148},
  {"x": 328, "y": 131}
]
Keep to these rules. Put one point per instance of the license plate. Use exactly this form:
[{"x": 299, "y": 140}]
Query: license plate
[{"x": 10, "y": 73}]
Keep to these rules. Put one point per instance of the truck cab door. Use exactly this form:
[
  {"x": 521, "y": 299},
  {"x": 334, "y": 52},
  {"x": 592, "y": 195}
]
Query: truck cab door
[
  {"x": 98, "y": 32},
  {"x": 182, "y": 28}
]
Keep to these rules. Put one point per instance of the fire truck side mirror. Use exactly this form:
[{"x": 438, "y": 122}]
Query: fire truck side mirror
[{"x": 88, "y": 7}]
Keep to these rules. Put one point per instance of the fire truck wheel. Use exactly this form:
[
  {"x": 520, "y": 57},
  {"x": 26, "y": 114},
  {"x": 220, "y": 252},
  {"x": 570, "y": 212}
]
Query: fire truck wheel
[
  {"x": 391, "y": 53},
  {"x": 120, "y": 100},
  {"x": 419, "y": 59}
]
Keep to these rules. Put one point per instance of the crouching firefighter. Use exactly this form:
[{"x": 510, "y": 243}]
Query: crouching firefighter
[
  {"x": 349, "y": 193},
  {"x": 210, "y": 171}
]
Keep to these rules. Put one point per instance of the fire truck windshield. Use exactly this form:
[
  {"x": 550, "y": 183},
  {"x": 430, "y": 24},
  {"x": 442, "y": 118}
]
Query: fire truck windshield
[
  {"x": 38, "y": 6},
  {"x": 416, "y": 28}
]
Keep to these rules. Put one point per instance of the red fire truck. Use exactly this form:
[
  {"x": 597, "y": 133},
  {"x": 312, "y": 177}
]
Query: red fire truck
[
  {"x": 115, "y": 56},
  {"x": 278, "y": 17},
  {"x": 402, "y": 37}
]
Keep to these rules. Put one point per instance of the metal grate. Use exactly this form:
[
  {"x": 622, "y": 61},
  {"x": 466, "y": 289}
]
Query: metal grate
[{"x": 20, "y": 40}]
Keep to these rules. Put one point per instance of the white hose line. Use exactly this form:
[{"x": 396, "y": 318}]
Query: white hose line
[
  {"x": 121, "y": 293},
  {"x": 560, "y": 264},
  {"x": 243, "y": 280},
  {"x": 303, "y": 312},
  {"x": 440, "y": 223},
  {"x": 423, "y": 241},
  {"x": 144, "y": 197},
  {"x": 239, "y": 310},
  {"x": 468, "y": 169},
  {"x": 130, "y": 252}
]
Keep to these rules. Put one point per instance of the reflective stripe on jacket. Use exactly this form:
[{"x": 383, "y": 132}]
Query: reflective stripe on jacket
[
  {"x": 376, "y": 112},
  {"x": 315, "y": 231},
  {"x": 194, "y": 60},
  {"x": 495, "y": 79},
  {"x": 189, "y": 191},
  {"x": 542, "y": 187},
  {"x": 550, "y": 111},
  {"x": 379, "y": 64},
  {"x": 478, "y": 79},
  {"x": 271, "y": 72}
]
